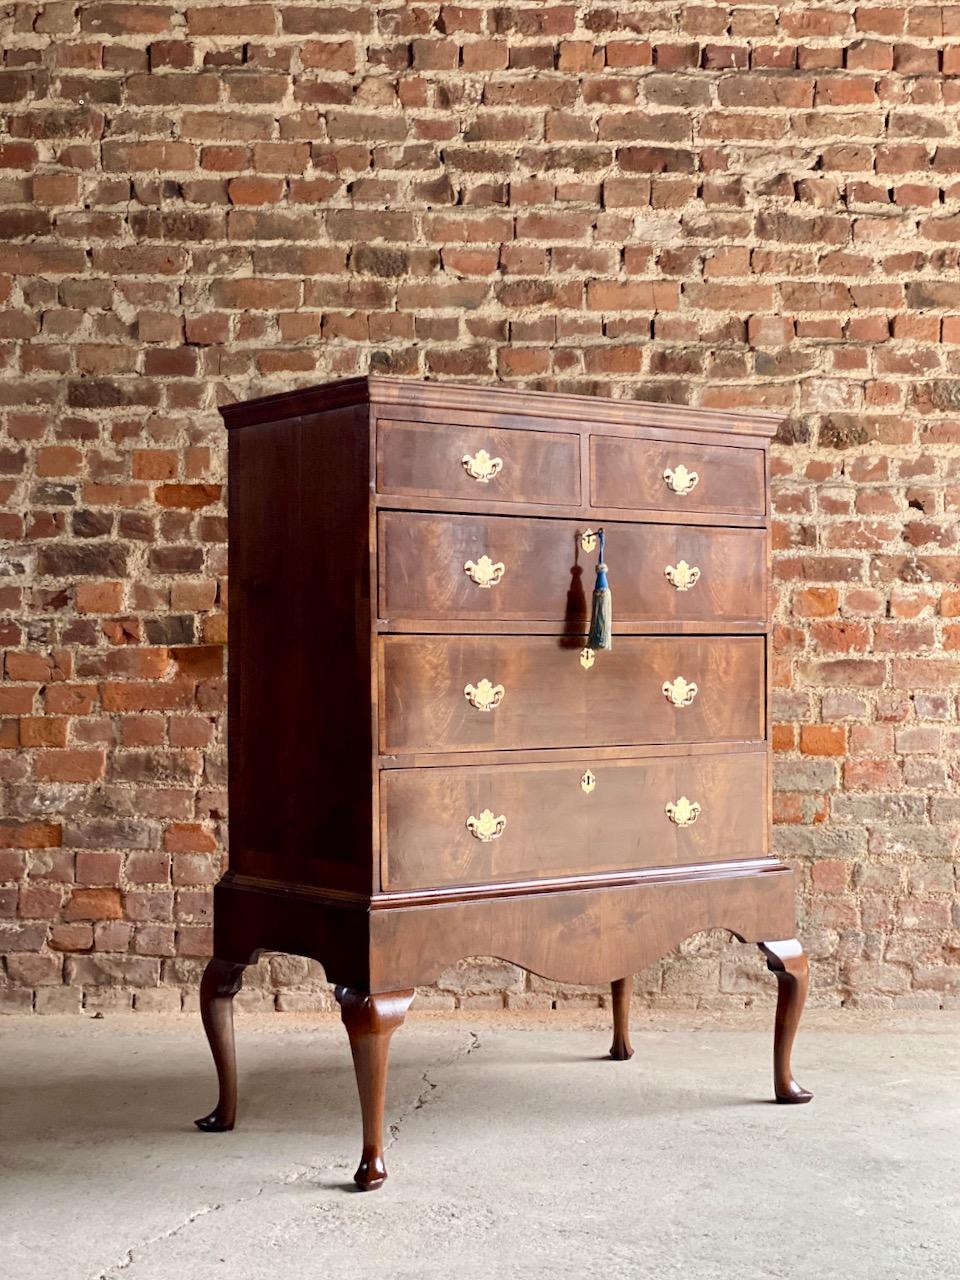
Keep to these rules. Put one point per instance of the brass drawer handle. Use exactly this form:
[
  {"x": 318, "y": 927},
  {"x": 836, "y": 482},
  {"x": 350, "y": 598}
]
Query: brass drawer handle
[
  {"x": 680, "y": 692},
  {"x": 486, "y": 827},
  {"x": 484, "y": 572},
  {"x": 481, "y": 467},
  {"x": 483, "y": 695},
  {"x": 680, "y": 480},
  {"x": 684, "y": 813},
  {"x": 683, "y": 576}
]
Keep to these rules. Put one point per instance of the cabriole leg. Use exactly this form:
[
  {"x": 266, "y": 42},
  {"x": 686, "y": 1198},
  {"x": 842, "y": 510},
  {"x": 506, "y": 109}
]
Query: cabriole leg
[
  {"x": 621, "y": 990},
  {"x": 787, "y": 962},
  {"x": 220, "y": 983},
  {"x": 370, "y": 1021}
]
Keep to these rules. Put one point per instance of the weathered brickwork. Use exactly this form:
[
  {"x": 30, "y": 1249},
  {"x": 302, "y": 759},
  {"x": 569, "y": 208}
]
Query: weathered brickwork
[{"x": 750, "y": 205}]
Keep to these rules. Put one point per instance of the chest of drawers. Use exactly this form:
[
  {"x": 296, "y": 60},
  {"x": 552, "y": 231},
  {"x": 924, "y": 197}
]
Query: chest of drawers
[{"x": 427, "y": 762}]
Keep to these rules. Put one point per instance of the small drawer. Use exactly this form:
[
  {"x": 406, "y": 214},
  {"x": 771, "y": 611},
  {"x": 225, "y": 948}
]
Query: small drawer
[
  {"x": 505, "y": 693},
  {"x": 480, "y": 825},
  {"x": 457, "y": 568},
  {"x": 641, "y": 474},
  {"x": 482, "y": 464}
]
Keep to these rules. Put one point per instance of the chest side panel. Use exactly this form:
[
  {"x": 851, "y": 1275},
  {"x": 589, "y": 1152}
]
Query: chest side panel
[{"x": 299, "y": 658}]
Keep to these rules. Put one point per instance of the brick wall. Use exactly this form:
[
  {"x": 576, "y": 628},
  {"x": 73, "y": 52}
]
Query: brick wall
[{"x": 742, "y": 206}]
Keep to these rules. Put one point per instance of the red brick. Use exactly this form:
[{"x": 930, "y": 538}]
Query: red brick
[
  {"x": 95, "y": 867},
  {"x": 71, "y": 937},
  {"x": 872, "y": 775},
  {"x": 186, "y": 837},
  {"x": 815, "y": 602},
  {"x": 16, "y": 700},
  {"x": 94, "y": 904},
  {"x": 57, "y": 665},
  {"x": 154, "y": 464},
  {"x": 99, "y": 597},
  {"x": 140, "y": 157},
  {"x": 242, "y": 20},
  {"x": 43, "y": 731},
  {"x": 68, "y": 766},
  {"x": 40, "y": 902},
  {"x": 822, "y": 739},
  {"x": 59, "y": 460},
  {"x": 829, "y": 875},
  {"x": 70, "y": 699},
  {"x": 254, "y": 190},
  {"x": 28, "y": 835},
  {"x": 189, "y": 497}
]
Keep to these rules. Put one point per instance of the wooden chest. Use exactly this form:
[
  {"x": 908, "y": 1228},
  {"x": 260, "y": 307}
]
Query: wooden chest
[{"x": 426, "y": 760}]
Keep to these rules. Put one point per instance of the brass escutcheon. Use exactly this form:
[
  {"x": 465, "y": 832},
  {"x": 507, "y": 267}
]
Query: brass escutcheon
[
  {"x": 484, "y": 572},
  {"x": 680, "y": 480},
  {"x": 684, "y": 813},
  {"x": 481, "y": 467},
  {"x": 588, "y": 540},
  {"x": 681, "y": 575},
  {"x": 588, "y": 781},
  {"x": 586, "y": 658},
  {"x": 679, "y": 691},
  {"x": 483, "y": 695},
  {"x": 486, "y": 827}
]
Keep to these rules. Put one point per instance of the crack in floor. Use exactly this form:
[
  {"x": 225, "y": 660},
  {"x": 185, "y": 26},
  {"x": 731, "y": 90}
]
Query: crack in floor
[
  {"x": 427, "y": 1094},
  {"x": 136, "y": 1251},
  {"x": 128, "y": 1258}
]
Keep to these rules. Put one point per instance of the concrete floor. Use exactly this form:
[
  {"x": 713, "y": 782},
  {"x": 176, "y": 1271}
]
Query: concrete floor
[{"x": 517, "y": 1151}]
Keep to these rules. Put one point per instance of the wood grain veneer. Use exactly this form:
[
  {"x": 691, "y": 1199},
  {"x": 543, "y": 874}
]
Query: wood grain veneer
[
  {"x": 555, "y": 828},
  {"x": 426, "y": 459},
  {"x": 629, "y": 473},
  {"x": 547, "y": 576},
  {"x": 549, "y": 700}
]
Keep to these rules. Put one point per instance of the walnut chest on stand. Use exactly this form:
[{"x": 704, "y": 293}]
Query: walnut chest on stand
[{"x": 427, "y": 762}]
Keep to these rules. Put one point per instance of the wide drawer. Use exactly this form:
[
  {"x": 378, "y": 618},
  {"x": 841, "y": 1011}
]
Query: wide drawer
[
  {"x": 640, "y": 474},
  {"x": 462, "y": 826},
  {"x": 474, "y": 568},
  {"x": 497, "y": 693},
  {"x": 486, "y": 464}
]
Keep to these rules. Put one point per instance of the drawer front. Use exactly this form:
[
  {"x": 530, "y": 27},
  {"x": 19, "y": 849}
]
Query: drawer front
[
  {"x": 482, "y": 464},
  {"x": 476, "y": 568},
  {"x": 463, "y": 826},
  {"x": 649, "y": 475},
  {"x": 503, "y": 693}
]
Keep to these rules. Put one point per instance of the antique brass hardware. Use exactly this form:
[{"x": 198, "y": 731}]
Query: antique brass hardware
[
  {"x": 588, "y": 540},
  {"x": 484, "y": 572},
  {"x": 681, "y": 575},
  {"x": 481, "y": 467},
  {"x": 586, "y": 658},
  {"x": 486, "y": 827},
  {"x": 684, "y": 813},
  {"x": 588, "y": 781},
  {"x": 483, "y": 695},
  {"x": 679, "y": 691},
  {"x": 680, "y": 480}
]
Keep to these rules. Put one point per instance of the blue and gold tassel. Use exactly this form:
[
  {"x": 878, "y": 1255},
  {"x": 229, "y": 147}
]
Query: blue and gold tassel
[{"x": 601, "y": 619}]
